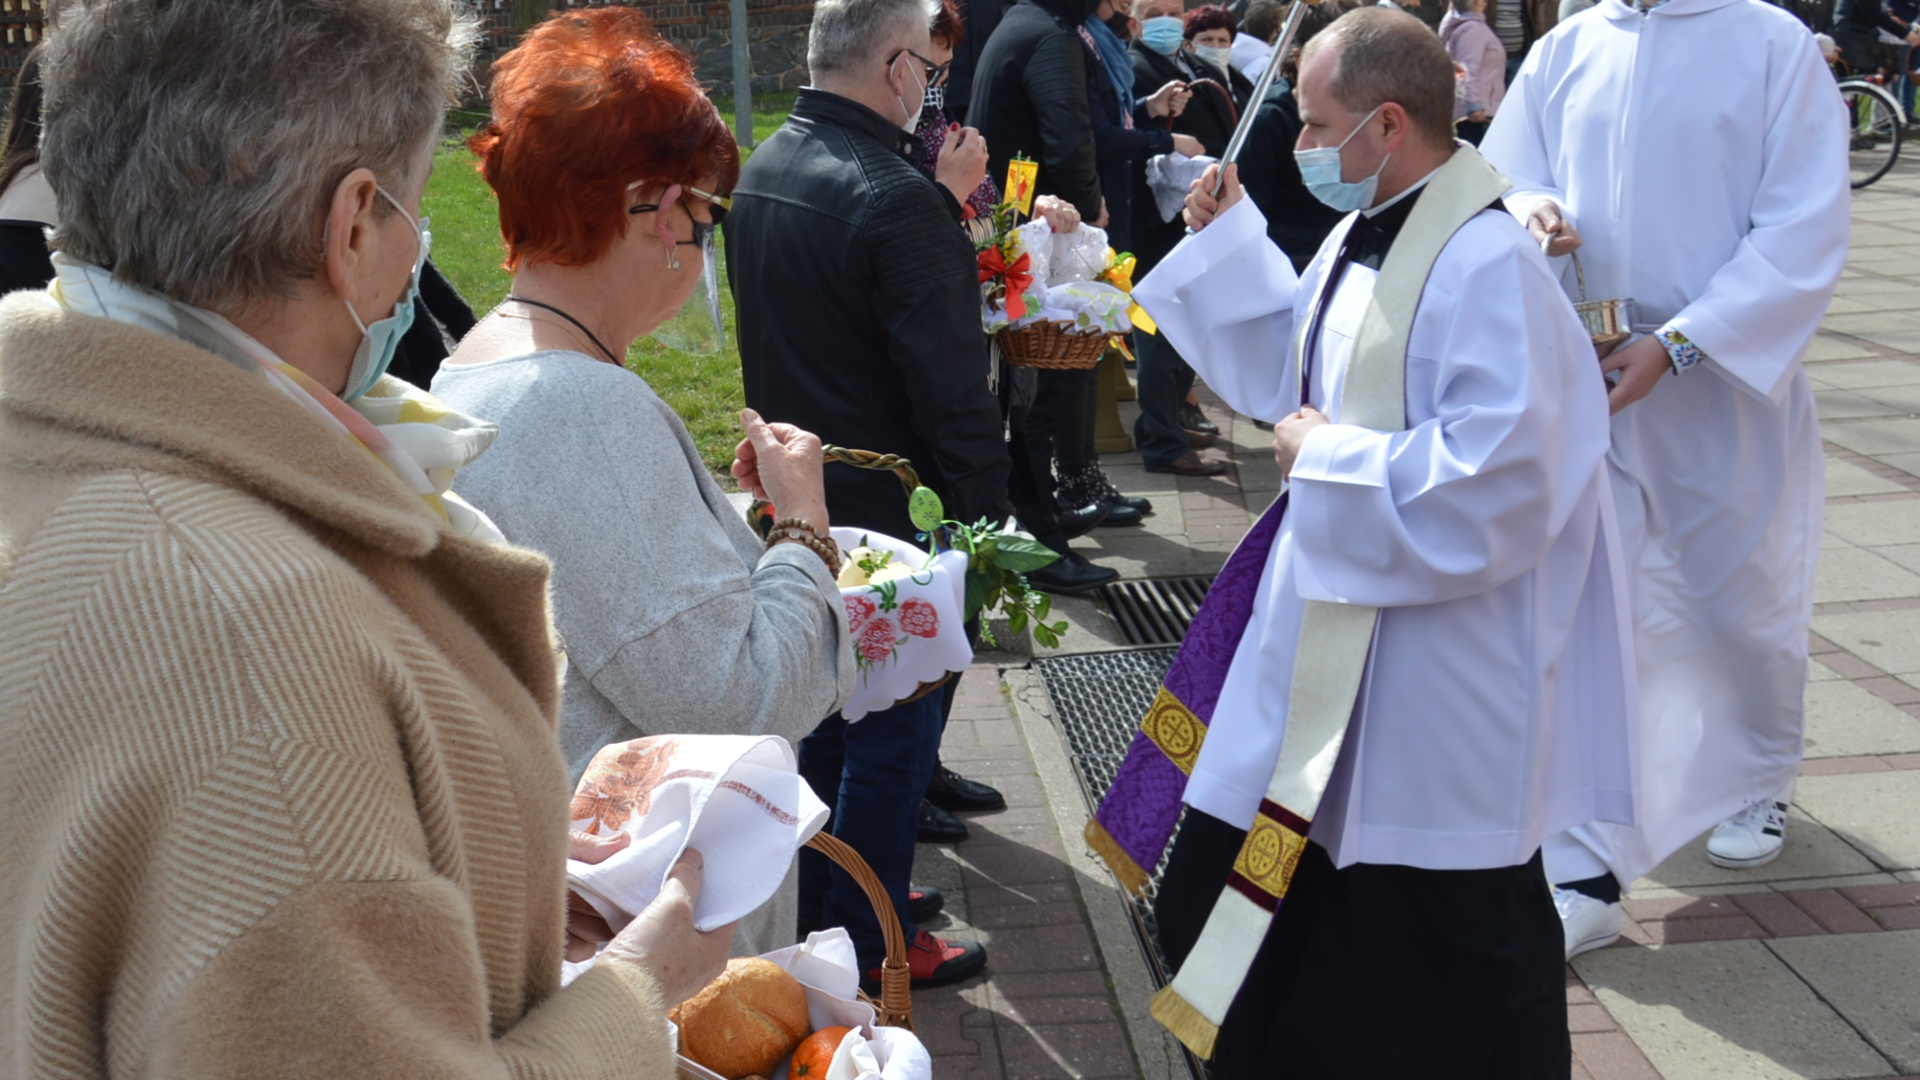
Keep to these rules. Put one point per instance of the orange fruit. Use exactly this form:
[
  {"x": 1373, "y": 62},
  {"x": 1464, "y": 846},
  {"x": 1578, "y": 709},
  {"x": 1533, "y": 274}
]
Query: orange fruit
[{"x": 811, "y": 1060}]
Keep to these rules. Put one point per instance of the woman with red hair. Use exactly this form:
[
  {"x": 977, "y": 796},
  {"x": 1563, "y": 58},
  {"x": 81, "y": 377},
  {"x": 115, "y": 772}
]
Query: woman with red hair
[{"x": 612, "y": 169}]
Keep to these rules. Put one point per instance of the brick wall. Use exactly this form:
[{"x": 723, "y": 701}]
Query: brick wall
[
  {"x": 22, "y": 24},
  {"x": 777, "y": 35}
]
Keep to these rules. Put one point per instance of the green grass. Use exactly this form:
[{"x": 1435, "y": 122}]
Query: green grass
[{"x": 704, "y": 390}]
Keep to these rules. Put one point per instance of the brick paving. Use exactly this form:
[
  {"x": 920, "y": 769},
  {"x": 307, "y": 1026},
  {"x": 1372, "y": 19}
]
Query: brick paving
[{"x": 1044, "y": 1008}]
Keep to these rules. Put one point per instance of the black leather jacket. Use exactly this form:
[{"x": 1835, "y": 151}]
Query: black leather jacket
[
  {"x": 1030, "y": 97},
  {"x": 859, "y": 312}
]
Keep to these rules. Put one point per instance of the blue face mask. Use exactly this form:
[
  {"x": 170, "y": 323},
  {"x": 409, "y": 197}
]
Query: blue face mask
[
  {"x": 1163, "y": 34},
  {"x": 381, "y": 340},
  {"x": 1320, "y": 172}
]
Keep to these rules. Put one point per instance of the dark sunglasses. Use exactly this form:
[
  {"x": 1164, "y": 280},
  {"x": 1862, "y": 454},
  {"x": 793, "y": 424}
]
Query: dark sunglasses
[
  {"x": 717, "y": 207},
  {"x": 936, "y": 73}
]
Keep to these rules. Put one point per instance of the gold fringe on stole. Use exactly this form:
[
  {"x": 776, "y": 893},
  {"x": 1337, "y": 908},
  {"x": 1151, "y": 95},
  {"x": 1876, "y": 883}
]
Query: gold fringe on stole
[
  {"x": 1195, "y": 1032},
  {"x": 1118, "y": 861}
]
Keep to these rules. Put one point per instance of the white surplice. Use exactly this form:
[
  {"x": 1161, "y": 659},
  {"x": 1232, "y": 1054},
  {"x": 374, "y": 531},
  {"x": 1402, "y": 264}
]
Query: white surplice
[
  {"x": 1701, "y": 150},
  {"x": 1493, "y": 710}
]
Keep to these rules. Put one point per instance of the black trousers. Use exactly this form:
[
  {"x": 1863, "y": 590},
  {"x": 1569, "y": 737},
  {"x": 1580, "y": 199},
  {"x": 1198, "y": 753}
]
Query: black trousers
[{"x": 1382, "y": 971}]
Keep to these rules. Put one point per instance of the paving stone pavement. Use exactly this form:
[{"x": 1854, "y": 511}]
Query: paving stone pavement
[{"x": 1806, "y": 968}]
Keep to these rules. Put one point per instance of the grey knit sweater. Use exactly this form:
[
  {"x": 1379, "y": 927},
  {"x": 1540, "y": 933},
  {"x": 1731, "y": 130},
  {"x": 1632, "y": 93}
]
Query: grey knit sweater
[{"x": 674, "y": 617}]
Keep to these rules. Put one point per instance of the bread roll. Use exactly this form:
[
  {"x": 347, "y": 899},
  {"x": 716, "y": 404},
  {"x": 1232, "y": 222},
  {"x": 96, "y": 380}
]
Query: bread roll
[{"x": 746, "y": 1021}]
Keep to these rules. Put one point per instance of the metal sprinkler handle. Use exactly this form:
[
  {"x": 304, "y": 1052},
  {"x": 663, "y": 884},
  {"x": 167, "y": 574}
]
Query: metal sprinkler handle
[{"x": 1295, "y": 15}]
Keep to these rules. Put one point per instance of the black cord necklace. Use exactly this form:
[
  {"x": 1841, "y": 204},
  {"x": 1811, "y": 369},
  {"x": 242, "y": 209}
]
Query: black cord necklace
[{"x": 569, "y": 318}]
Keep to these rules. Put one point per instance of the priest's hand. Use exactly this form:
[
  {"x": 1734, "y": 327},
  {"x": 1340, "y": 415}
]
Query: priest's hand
[
  {"x": 1202, "y": 205},
  {"x": 1640, "y": 365},
  {"x": 1550, "y": 230},
  {"x": 1291, "y": 433}
]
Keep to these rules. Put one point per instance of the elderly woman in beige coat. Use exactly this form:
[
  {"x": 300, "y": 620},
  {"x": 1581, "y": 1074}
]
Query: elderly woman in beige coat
[{"x": 281, "y": 790}]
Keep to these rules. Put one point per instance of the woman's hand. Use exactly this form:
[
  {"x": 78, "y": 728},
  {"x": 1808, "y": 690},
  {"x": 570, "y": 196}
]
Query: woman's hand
[
  {"x": 963, "y": 162},
  {"x": 586, "y": 930},
  {"x": 662, "y": 942},
  {"x": 1187, "y": 145},
  {"x": 781, "y": 464},
  {"x": 1059, "y": 213},
  {"x": 1169, "y": 100}
]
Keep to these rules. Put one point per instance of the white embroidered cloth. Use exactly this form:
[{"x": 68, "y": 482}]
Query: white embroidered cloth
[
  {"x": 737, "y": 799},
  {"x": 908, "y": 630}
]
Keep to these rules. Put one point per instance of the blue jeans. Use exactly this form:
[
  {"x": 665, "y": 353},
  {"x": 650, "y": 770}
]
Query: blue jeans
[
  {"x": 1164, "y": 379},
  {"x": 871, "y": 774}
]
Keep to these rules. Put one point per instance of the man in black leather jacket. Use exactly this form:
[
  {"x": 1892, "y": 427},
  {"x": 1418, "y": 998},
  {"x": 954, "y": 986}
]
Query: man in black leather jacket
[{"x": 859, "y": 320}]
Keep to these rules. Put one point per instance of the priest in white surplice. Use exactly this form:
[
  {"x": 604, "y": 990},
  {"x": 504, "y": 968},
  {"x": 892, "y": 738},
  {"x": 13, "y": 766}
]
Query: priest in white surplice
[
  {"x": 1695, "y": 152},
  {"x": 1433, "y": 672}
]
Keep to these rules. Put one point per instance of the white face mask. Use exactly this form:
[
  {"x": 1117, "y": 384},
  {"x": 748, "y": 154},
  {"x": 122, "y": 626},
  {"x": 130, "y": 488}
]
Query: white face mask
[
  {"x": 1321, "y": 172},
  {"x": 911, "y": 121},
  {"x": 1219, "y": 56}
]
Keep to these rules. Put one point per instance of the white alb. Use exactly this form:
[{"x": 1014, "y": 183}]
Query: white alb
[{"x": 1701, "y": 148}]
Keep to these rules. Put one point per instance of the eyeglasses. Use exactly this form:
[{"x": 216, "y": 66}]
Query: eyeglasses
[
  {"x": 936, "y": 73},
  {"x": 717, "y": 207}
]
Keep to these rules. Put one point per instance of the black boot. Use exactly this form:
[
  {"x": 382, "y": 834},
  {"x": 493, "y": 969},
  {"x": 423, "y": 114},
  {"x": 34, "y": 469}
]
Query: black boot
[{"x": 1087, "y": 484}]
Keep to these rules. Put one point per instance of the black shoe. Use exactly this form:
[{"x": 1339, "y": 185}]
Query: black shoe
[
  {"x": 939, "y": 827},
  {"x": 1071, "y": 574},
  {"x": 923, "y": 903},
  {"x": 1111, "y": 495},
  {"x": 951, "y": 791},
  {"x": 1080, "y": 520},
  {"x": 1119, "y": 516},
  {"x": 1200, "y": 440},
  {"x": 1193, "y": 419}
]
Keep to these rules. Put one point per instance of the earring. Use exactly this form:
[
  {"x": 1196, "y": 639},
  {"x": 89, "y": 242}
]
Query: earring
[{"x": 673, "y": 258}]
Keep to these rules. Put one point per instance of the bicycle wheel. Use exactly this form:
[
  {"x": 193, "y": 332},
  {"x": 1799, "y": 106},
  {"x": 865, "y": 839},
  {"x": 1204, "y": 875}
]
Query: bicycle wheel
[{"x": 1874, "y": 140}]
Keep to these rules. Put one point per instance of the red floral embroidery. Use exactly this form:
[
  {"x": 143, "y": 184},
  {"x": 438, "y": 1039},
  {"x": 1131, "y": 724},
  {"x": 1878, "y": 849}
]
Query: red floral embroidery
[
  {"x": 878, "y": 641},
  {"x": 859, "y": 610},
  {"x": 919, "y": 618}
]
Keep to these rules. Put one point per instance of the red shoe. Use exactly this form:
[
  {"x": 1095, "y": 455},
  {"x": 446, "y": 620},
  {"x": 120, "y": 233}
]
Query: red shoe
[{"x": 935, "y": 962}]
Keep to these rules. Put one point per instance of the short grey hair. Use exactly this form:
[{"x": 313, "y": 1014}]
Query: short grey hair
[
  {"x": 195, "y": 144},
  {"x": 1389, "y": 55},
  {"x": 848, "y": 33}
]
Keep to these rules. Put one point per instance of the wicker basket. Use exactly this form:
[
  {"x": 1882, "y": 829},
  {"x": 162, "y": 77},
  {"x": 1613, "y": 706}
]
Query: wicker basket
[
  {"x": 1052, "y": 345},
  {"x": 760, "y": 517},
  {"x": 895, "y": 1007}
]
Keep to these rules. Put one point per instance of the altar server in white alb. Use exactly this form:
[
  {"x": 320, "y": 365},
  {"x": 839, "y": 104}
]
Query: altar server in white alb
[
  {"x": 1417, "y": 666},
  {"x": 1695, "y": 153}
]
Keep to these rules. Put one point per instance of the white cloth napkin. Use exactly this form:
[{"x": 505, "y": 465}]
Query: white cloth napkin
[
  {"x": 907, "y": 631},
  {"x": 1169, "y": 177},
  {"x": 737, "y": 799}
]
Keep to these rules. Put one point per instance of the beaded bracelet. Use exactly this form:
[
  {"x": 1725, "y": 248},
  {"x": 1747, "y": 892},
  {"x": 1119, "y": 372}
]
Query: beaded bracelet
[{"x": 795, "y": 530}]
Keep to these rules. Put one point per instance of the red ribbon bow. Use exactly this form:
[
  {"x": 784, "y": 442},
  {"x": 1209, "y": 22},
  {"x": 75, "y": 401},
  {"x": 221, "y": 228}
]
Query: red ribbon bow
[{"x": 993, "y": 265}]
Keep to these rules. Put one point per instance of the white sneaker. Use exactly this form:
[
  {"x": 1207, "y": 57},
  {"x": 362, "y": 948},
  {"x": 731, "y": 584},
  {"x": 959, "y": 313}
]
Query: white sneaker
[
  {"x": 1753, "y": 837},
  {"x": 1590, "y": 923}
]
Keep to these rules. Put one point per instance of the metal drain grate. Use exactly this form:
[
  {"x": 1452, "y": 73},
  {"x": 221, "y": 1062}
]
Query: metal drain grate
[
  {"x": 1098, "y": 699},
  {"x": 1155, "y": 611}
]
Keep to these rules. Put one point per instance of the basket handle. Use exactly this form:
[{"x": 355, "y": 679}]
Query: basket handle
[
  {"x": 762, "y": 521},
  {"x": 896, "y": 1003}
]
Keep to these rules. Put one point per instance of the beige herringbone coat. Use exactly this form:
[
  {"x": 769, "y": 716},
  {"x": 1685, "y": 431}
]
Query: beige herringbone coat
[{"x": 279, "y": 791}]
